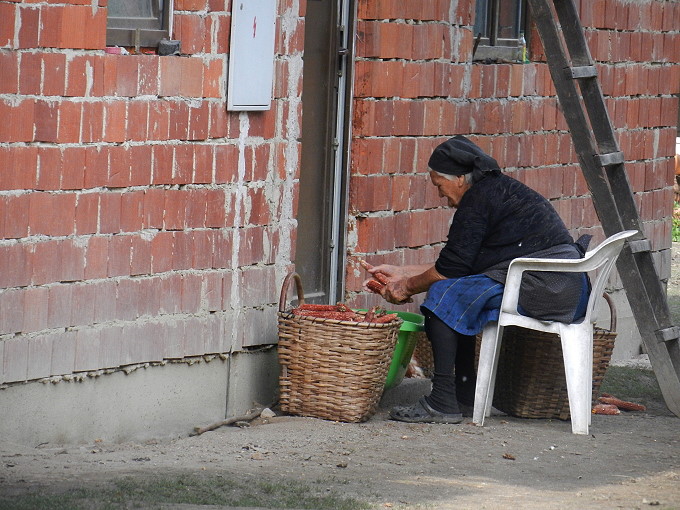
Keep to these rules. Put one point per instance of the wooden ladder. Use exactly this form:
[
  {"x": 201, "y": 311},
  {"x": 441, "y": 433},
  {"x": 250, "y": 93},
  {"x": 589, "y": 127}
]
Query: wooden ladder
[{"x": 602, "y": 162}]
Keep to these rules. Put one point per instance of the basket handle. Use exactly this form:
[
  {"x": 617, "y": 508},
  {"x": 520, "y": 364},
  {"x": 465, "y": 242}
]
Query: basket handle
[
  {"x": 612, "y": 311},
  {"x": 284, "y": 290}
]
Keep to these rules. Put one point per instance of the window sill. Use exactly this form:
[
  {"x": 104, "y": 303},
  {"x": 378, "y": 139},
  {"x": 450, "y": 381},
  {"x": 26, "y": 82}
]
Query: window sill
[{"x": 498, "y": 54}]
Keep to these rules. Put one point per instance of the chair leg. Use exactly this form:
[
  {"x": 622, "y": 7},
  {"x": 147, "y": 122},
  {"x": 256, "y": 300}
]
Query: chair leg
[
  {"x": 577, "y": 349},
  {"x": 486, "y": 371}
]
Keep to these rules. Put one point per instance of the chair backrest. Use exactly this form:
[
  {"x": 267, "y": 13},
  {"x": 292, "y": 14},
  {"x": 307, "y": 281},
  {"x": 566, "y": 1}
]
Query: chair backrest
[{"x": 603, "y": 257}]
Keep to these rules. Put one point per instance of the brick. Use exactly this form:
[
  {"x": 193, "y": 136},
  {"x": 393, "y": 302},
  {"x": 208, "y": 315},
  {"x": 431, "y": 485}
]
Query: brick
[
  {"x": 63, "y": 352},
  {"x": 46, "y": 121},
  {"x": 70, "y": 115},
  {"x": 127, "y": 299},
  {"x": 175, "y": 209},
  {"x": 251, "y": 246},
  {"x": 375, "y": 234},
  {"x": 73, "y": 260},
  {"x": 171, "y": 294},
  {"x": 54, "y": 68},
  {"x": 260, "y": 325},
  {"x": 183, "y": 250},
  {"x": 190, "y": 29},
  {"x": 223, "y": 249},
  {"x": 82, "y": 305},
  {"x": 257, "y": 286},
  {"x": 211, "y": 291},
  {"x": 163, "y": 162},
  {"x": 15, "y": 214},
  {"x": 87, "y": 213},
  {"x": 92, "y": 127},
  {"x": 52, "y": 214},
  {"x": 183, "y": 164},
  {"x": 174, "y": 334},
  {"x": 97, "y": 260},
  {"x": 49, "y": 167},
  {"x": 214, "y": 79},
  {"x": 132, "y": 211},
  {"x": 105, "y": 301},
  {"x": 110, "y": 212},
  {"x": 215, "y": 208},
  {"x": 11, "y": 311},
  {"x": 199, "y": 122},
  {"x": 120, "y": 248},
  {"x": 170, "y": 79},
  {"x": 141, "y": 163},
  {"x": 35, "y": 309},
  {"x": 110, "y": 341},
  {"x": 88, "y": 344},
  {"x": 159, "y": 120},
  {"x": 18, "y": 120},
  {"x": 149, "y": 297},
  {"x": 8, "y": 13},
  {"x": 195, "y": 208},
  {"x": 30, "y": 77},
  {"x": 79, "y": 69},
  {"x": 44, "y": 262},
  {"x": 162, "y": 247},
  {"x": 59, "y": 306},
  {"x": 140, "y": 259},
  {"x": 179, "y": 121},
  {"x": 73, "y": 170},
  {"x": 194, "y": 339},
  {"x": 148, "y": 68},
  {"x": 9, "y": 71},
  {"x": 32, "y": 27},
  {"x": 115, "y": 114},
  {"x": 226, "y": 163},
  {"x": 15, "y": 359},
  {"x": 203, "y": 249},
  {"x": 191, "y": 293}
]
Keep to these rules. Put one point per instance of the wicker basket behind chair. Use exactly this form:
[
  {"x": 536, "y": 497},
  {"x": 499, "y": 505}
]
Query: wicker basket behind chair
[
  {"x": 530, "y": 382},
  {"x": 331, "y": 369}
]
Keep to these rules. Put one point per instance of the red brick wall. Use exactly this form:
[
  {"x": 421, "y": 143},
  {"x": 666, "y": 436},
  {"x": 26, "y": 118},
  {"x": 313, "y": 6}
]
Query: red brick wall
[
  {"x": 139, "y": 220},
  {"x": 415, "y": 86}
]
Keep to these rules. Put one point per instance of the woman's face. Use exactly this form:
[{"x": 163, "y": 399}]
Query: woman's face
[{"x": 452, "y": 189}]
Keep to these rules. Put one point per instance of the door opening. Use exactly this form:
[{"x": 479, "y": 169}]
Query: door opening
[{"x": 319, "y": 253}]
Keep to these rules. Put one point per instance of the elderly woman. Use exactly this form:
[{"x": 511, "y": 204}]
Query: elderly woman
[{"x": 497, "y": 219}]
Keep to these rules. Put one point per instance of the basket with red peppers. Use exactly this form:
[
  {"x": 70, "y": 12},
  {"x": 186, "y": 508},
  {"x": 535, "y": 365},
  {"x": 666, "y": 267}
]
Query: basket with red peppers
[
  {"x": 341, "y": 312},
  {"x": 334, "y": 360}
]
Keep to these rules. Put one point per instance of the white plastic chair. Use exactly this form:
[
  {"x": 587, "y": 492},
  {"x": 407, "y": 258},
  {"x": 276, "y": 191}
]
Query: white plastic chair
[{"x": 576, "y": 338}]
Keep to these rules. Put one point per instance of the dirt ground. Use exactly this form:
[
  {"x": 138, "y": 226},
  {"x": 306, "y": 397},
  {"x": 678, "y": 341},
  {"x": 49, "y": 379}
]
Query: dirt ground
[{"x": 629, "y": 461}]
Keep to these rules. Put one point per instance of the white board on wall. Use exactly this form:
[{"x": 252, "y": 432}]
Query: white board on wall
[{"x": 251, "y": 55}]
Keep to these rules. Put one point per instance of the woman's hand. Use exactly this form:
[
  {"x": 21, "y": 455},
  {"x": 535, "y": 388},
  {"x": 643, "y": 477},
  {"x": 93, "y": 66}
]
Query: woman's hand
[
  {"x": 397, "y": 292},
  {"x": 394, "y": 282}
]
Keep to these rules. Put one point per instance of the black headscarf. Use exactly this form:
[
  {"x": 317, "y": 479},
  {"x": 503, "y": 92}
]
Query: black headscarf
[{"x": 459, "y": 156}]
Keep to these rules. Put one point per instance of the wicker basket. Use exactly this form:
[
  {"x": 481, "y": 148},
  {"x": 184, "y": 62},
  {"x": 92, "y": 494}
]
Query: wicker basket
[
  {"x": 331, "y": 369},
  {"x": 530, "y": 381}
]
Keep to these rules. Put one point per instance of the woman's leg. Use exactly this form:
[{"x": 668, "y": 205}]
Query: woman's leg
[
  {"x": 466, "y": 377},
  {"x": 445, "y": 348}
]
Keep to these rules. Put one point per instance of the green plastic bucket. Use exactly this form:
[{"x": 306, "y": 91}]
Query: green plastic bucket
[{"x": 406, "y": 344}]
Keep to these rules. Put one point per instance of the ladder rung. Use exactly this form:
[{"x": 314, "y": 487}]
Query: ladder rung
[
  {"x": 581, "y": 72},
  {"x": 666, "y": 334},
  {"x": 639, "y": 246},
  {"x": 610, "y": 159}
]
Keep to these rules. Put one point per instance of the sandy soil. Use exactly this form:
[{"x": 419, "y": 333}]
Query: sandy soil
[{"x": 628, "y": 461}]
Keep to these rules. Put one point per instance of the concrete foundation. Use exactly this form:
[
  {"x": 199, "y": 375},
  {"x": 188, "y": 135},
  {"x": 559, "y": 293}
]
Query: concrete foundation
[{"x": 151, "y": 402}]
